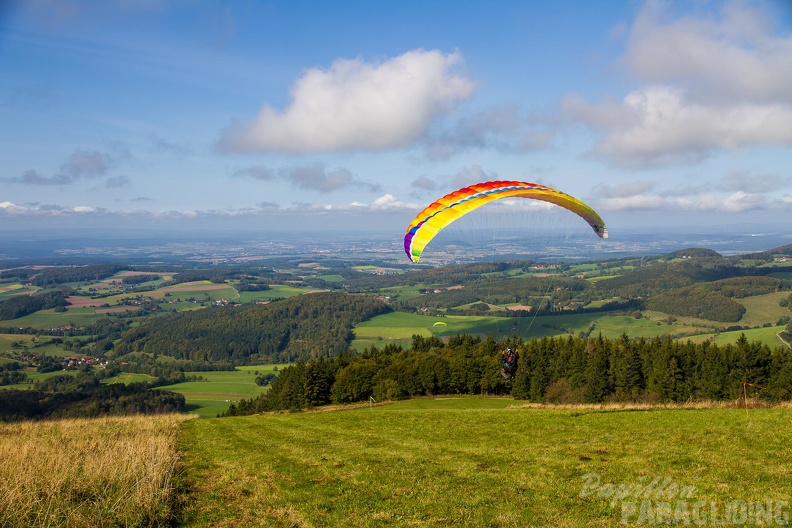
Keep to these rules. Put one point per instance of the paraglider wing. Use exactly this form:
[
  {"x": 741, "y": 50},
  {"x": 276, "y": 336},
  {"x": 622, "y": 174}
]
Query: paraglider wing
[{"x": 454, "y": 205}]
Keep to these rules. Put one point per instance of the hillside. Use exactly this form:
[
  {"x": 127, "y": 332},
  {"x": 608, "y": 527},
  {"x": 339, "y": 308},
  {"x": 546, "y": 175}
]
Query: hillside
[
  {"x": 168, "y": 324},
  {"x": 479, "y": 462}
]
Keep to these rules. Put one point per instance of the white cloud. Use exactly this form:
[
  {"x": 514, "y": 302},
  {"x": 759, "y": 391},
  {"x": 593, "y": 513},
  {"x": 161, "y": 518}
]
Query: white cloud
[
  {"x": 355, "y": 105},
  {"x": 389, "y": 201},
  {"x": 738, "y": 202},
  {"x": 719, "y": 79},
  {"x": 11, "y": 208},
  {"x": 735, "y": 53},
  {"x": 666, "y": 127},
  {"x": 84, "y": 209},
  {"x": 638, "y": 201}
]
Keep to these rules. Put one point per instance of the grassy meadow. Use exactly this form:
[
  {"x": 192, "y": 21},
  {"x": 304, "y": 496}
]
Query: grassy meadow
[
  {"x": 219, "y": 388},
  {"x": 479, "y": 462},
  {"x": 428, "y": 462},
  {"x": 399, "y": 327},
  {"x": 89, "y": 472}
]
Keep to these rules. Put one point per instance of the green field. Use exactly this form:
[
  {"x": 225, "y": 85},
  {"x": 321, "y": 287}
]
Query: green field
[
  {"x": 33, "y": 376},
  {"x": 214, "y": 395},
  {"x": 399, "y": 327},
  {"x": 10, "y": 290},
  {"x": 761, "y": 309},
  {"x": 767, "y": 336},
  {"x": 275, "y": 292},
  {"x": 129, "y": 377},
  {"x": 485, "y": 462},
  {"x": 45, "y": 319}
]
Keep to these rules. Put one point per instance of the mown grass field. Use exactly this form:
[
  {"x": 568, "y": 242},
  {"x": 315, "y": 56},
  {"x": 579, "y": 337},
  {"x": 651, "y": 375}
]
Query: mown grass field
[
  {"x": 767, "y": 336},
  {"x": 275, "y": 292},
  {"x": 399, "y": 327},
  {"x": 761, "y": 309},
  {"x": 45, "y": 319},
  {"x": 479, "y": 462},
  {"x": 214, "y": 395}
]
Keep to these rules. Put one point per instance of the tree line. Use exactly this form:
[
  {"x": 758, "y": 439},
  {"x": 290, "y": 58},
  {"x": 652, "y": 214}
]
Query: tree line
[
  {"x": 300, "y": 327},
  {"x": 551, "y": 369},
  {"x": 22, "y": 305},
  {"x": 82, "y": 396}
]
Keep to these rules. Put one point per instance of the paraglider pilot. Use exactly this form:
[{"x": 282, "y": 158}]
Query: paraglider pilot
[{"x": 509, "y": 358}]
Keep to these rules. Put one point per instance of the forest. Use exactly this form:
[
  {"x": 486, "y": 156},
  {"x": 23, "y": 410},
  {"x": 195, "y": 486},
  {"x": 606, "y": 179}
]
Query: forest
[
  {"x": 551, "y": 370},
  {"x": 82, "y": 396},
  {"x": 301, "y": 327},
  {"x": 23, "y": 305},
  {"x": 308, "y": 313}
]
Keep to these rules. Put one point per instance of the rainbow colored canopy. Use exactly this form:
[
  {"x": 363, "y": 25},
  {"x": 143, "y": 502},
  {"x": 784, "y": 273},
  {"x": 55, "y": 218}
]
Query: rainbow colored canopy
[{"x": 454, "y": 205}]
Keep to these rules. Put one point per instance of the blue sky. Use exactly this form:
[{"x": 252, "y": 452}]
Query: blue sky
[{"x": 302, "y": 114}]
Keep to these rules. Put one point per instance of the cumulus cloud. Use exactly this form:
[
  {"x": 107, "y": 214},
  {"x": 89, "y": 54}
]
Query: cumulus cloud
[
  {"x": 733, "y": 54},
  {"x": 717, "y": 81},
  {"x": 738, "y": 202},
  {"x": 660, "y": 125},
  {"x": 11, "y": 208},
  {"x": 390, "y": 202},
  {"x": 355, "y": 105}
]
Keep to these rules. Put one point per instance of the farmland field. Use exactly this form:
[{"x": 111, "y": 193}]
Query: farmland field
[
  {"x": 214, "y": 395},
  {"x": 51, "y": 319},
  {"x": 486, "y": 462},
  {"x": 761, "y": 309},
  {"x": 767, "y": 336},
  {"x": 275, "y": 292},
  {"x": 399, "y": 327}
]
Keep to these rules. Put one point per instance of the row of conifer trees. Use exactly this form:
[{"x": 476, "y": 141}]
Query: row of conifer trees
[{"x": 552, "y": 369}]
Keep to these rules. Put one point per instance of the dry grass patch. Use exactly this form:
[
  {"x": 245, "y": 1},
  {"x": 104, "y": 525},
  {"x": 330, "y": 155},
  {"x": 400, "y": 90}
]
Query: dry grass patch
[{"x": 89, "y": 472}]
